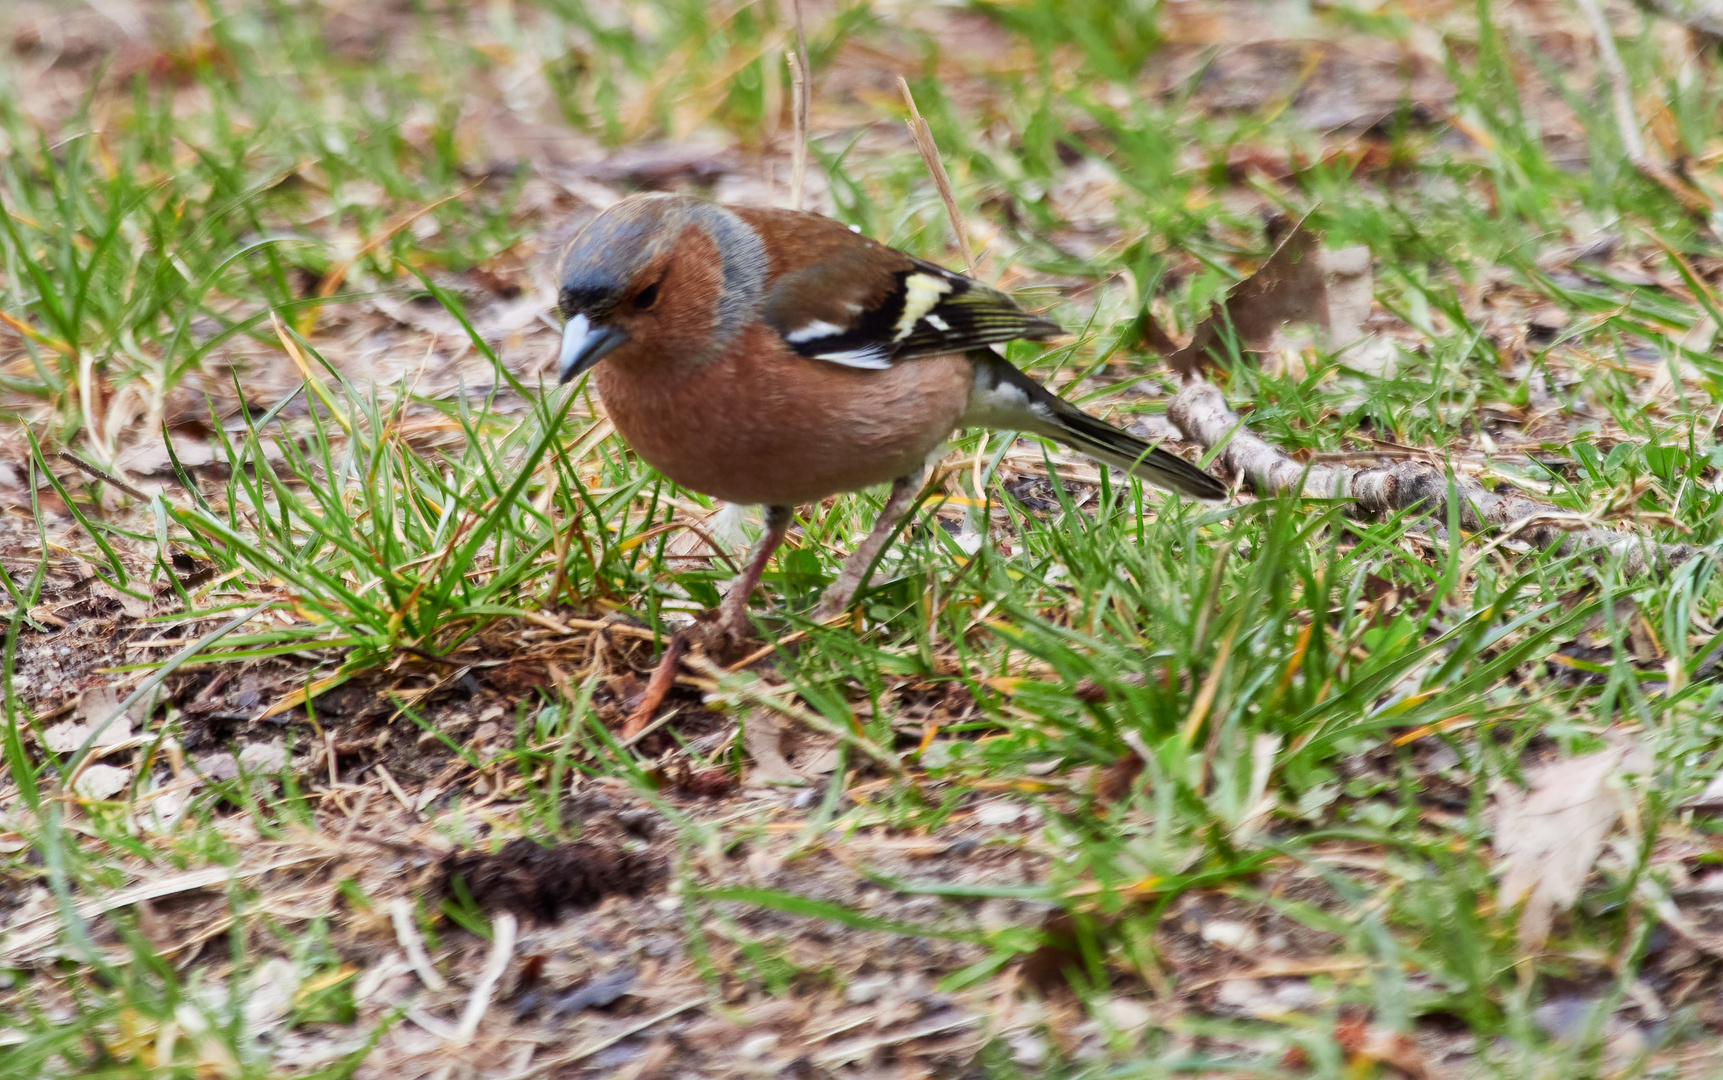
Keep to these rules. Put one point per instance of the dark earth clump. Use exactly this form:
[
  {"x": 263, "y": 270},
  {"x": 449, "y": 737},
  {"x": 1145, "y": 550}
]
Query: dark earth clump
[{"x": 539, "y": 882}]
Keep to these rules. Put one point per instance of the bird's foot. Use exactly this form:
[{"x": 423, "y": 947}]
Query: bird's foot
[
  {"x": 837, "y": 597},
  {"x": 854, "y": 574},
  {"x": 732, "y": 628}
]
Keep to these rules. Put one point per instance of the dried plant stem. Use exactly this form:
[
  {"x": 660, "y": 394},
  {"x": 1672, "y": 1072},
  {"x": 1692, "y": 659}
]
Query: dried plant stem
[
  {"x": 1620, "y": 91},
  {"x": 102, "y": 475},
  {"x": 1201, "y": 413},
  {"x": 798, "y": 149},
  {"x": 924, "y": 143},
  {"x": 801, "y": 100},
  {"x": 503, "y": 929},
  {"x": 930, "y": 156},
  {"x": 407, "y": 936}
]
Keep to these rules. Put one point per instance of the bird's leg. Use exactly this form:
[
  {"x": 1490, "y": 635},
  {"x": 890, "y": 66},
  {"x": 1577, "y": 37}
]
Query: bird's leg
[
  {"x": 850, "y": 579},
  {"x": 733, "y": 612},
  {"x": 732, "y": 621}
]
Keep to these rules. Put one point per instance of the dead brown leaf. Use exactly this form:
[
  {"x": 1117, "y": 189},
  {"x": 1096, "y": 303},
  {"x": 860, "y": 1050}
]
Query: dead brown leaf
[
  {"x": 1115, "y": 781},
  {"x": 1300, "y": 282},
  {"x": 1550, "y": 836},
  {"x": 95, "y": 706},
  {"x": 1366, "y": 1043},
  {"x": 1287, "y": 287},
  {"x": 762, "y": 736}
]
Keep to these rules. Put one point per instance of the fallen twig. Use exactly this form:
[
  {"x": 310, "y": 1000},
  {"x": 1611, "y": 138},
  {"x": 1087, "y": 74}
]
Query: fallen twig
[
  {"x": 102, "y": 475},
  {"x": 1201, "y": 413},
  {"x": 407, "y": 936},
  {"x": 503, "y": 928}
]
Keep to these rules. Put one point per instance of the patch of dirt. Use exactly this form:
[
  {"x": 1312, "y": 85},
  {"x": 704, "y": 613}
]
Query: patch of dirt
[{"x": 540, "y": 882}]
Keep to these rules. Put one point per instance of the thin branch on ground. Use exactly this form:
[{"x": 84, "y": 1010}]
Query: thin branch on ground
[
  {"x": 1201, "y": 412},
  {"x": 503, "y": 929},
  {"x": 407, "y": 936},
  {"x": 103, "y": 475}
]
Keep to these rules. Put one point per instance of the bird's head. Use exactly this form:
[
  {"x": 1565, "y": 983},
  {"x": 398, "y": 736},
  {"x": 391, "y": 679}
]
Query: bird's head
[{"x": 656, "y": 278}]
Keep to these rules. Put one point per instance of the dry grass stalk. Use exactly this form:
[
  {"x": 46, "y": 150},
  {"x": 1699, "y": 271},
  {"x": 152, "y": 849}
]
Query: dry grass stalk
[
  {"x": 503, "y": 929},
  {"x": 25, "y": 939},
  {"x": 407, "y": 936},
  {"x": 338, "y": 273},
  {"x": 930, "y": 156},
  {"x": 801, "y": 100},
  {"x": 936, "y": 168}
]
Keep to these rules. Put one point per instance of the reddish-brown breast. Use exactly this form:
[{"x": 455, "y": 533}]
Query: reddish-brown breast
[{"x": 761, "y": 425}]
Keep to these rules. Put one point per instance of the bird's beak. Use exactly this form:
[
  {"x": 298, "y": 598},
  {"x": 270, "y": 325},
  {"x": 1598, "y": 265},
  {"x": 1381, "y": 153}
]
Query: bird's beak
[{"x": 584, "y": 345}]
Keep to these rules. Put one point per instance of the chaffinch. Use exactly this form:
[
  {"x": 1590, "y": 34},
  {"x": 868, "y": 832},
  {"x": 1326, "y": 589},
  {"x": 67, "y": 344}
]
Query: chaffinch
[{"x": 775, "y": 357}]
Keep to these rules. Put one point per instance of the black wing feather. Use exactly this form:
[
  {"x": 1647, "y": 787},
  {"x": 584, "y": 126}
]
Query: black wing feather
[{"x": 952, "y": 313}]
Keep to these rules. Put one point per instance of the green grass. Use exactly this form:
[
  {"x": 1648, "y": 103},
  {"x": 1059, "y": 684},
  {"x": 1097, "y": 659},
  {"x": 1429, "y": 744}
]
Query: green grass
[{"x": 1303, "y": 686}]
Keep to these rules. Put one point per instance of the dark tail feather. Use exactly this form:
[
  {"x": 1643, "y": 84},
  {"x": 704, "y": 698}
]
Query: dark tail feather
[
  {"x": 1037, "y": 409},
  {"x": 1122, "y": 450}
]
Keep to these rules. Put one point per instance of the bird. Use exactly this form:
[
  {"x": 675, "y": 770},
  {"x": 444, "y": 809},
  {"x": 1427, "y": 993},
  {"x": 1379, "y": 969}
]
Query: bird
[{"x": 777, "y": 357}]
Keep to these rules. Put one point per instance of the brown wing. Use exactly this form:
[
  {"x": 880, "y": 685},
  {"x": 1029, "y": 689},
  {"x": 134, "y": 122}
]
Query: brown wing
[{"x": 835, "y": 295}]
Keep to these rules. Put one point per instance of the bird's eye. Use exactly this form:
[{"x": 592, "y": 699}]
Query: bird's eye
[{"x": 646, "y": 297}]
